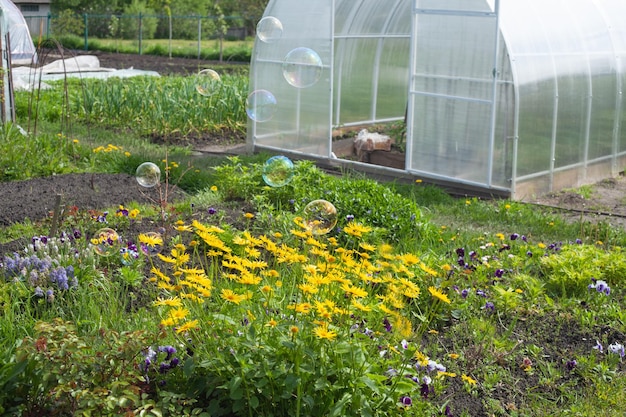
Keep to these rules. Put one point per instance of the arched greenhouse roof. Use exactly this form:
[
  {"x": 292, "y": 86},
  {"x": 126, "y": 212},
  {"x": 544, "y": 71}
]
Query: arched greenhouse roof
[{"x": 511, "y": 97}]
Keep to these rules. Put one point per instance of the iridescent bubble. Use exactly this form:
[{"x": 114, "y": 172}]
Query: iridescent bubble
[
  {"x": 148, "y": 174},
  {"x": 207, "y": 82},
  {"x": 319, "y": 217},
  {"x": 151, "y": 243},
  {"x": 302, "y": 67},
  {"x": 269, "y": 29},
  {"x": 278, "y": 171},
  {"x": 261, "y": 105},
  {"x": 106, "y": 242}
]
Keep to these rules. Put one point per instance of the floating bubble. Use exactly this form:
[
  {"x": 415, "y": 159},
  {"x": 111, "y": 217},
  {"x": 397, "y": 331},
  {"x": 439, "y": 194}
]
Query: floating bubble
[
  {"x": 302, "y": 67},
  {"x": 269, "y": 29},
  {"x": 261, "y": 105},
  {"x": 106, "y": 242},
  {"x": 278, "y": 171},
  {"x": 319, "y": 217},
  {"x": 148, "y": 174},
  {"x": 151, "y": 243},
  {"x": 207, "y": 82}
]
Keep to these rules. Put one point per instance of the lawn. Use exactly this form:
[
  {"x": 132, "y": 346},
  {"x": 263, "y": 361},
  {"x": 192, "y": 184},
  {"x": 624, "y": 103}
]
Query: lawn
[{"x": 271, "y": 290}]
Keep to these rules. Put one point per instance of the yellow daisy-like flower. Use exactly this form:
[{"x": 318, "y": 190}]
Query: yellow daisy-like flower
[
  {"x": 179, "y": 314},
  {"x": 360, "y": 306},
  {"x": 214, "y": 188},
  {"x": 453, "y": 355},
  {"x": 356, "y": 229},
  {"x": 308, "y": 288},
  {"x": 168, "y": 322},
  {"x": 193, "y": 324},
  {"x": 272, "y": 323},
  {"x": 231, "y": 296},
  {"x": 438, "y": 295},
  {"x": 468, "y": 379},
  {"x": 354, "y": 291},
  {"x": 294, "y": 330},
  {"x": 366, "y": 246},
  {"x": 150, "y": 239},
  {"x": 266, "y": 289},
  {"x": 248, "y": 216},
  {"x": 322, "y": 332},
  {"x": 170, "y": 302}
]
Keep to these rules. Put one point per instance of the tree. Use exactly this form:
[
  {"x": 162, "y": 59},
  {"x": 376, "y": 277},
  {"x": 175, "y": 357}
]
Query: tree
[
  {"x": 129, "y": 24},
  {"x": 250, "y": 10}
]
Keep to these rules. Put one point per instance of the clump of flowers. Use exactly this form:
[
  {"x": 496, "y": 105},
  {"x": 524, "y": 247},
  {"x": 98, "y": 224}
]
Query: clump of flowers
[
  {"x": 600, "y": 286},
  {"x": 43, "y": 275},
  {"x": 158, "y": 362}
]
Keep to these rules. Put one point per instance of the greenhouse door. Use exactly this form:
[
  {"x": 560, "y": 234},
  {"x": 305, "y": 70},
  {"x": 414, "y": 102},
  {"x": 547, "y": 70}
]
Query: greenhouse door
[
  {"x": 289, "y": 102},
  {"x": 450, "y": 127}
]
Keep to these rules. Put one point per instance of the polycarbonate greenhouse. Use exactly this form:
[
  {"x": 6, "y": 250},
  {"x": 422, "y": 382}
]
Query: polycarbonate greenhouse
[{"x": 514, "y": 98}]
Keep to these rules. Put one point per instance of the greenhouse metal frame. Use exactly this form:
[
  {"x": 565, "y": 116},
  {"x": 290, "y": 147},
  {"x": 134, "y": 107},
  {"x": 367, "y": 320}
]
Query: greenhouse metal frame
[{"x": 506, "y": 97}]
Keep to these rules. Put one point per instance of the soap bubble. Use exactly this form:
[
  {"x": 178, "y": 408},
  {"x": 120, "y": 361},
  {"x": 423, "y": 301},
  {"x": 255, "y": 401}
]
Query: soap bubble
[
  {"x": 278, "y": 171},
  {"x": 269, "y": 29},
  {"x": 261, "y": 105},
  {"x": 148, "y": 174},
  {"x": 151, "y": 243},
  {"x": 302, "y": 67},
  {"x": 207, "y": 82},
  {"x": 106, "y": 242},
  {"x": 319, "y": 217}
]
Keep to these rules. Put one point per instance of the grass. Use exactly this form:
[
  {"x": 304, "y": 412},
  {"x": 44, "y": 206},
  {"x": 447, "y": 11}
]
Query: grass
[{"x": 416, "y": 303}]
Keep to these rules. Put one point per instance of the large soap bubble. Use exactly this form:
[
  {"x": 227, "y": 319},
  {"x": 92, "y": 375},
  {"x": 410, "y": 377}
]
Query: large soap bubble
[
  {"x": 261, "y": 105},
  {"x": 148, "y": 174},
  {"x": 269, "y": 29},
  {"x": 278, "y": 171},
  {"x": 319, "y": 217},
  {"x": 207, "y": 82},
  {"x": 302, "y": 67},
  {"x": 106, "y": 242},
  {"x": 151, "y": 243}
]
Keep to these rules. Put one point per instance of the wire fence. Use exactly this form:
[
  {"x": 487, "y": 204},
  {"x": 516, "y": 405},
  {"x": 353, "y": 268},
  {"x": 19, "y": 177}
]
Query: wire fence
[{"x": 138, "y": 28}]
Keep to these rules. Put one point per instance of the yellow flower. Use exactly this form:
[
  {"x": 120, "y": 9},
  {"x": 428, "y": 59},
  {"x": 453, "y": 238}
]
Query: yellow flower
[
  {"x": 214, "y": 188},
  {"x": 170, "y": 302},
  {"x": 231, "y": 296},
  {"x": 438, "y": 295},
  {"x": 179, "y": 314},
  {"x": 193, "y": 324},
  {"x": 127, "y": 154},
  {"x": 308, "y": 288},
  {"x": 133, "y": 213},
  {"x": 354, "y": 291},
  {"x": 294, "y": 330},
  {"x": 248, "y": 216},
  {"x": 151, "y": 240},
  {"x": 322, "y": 332},
  {"x": 367, "y": 247},
  {"x": 360, "y": 306},
  {"x": 541, "y": 245},
  {"x": 356, "y": 229},
  {"x": 453, "y": 355},
  {"x": 468, "y": 379},
  {"x": 272, "y": 323},
  {"x": 418, "y": 181},
  {"x": 500, "y": 236}
]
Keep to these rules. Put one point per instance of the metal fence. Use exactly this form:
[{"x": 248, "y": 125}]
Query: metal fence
[{"x": 142, "y": 27}]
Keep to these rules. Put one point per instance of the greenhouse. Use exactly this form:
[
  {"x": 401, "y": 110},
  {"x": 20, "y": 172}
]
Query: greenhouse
[{"x": 507, "y": 97}]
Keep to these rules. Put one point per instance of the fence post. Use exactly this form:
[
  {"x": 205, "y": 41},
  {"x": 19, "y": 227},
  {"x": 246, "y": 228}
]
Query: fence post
[
  {"x": 86, "y": 20},
  {"x": 140, "y": 32},
  {"x": 48, "y": 25},
  {"x": 199, "y": 35}
]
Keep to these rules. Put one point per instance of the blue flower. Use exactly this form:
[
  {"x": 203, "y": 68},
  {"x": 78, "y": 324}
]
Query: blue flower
[
  {"x": 406, "y": 401},
  {"x": 617, "y": 348},
  {"x": 599, "y": 347}
]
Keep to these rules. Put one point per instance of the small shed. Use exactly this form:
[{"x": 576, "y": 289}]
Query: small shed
[{"x": 507, "y": 97}]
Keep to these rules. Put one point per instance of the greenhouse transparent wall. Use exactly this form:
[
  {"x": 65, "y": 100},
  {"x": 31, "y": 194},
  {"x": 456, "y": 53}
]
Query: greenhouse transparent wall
[
  {"x": 509, "y": 97},
  {"x": 569, "y": 76},
  {"x": 372, "y": 46},
  {"x": 290, "y": 78}
]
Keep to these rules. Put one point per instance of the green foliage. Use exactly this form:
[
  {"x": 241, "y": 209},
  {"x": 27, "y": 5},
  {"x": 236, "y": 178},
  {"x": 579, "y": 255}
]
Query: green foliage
[
  {"x": 137, "y": 17},
  {"x": 364, "y": 200},
  {"x": 67, "y": 23},
  {"x": 66, "y": 373},
  {"x": 571, "y": 270}
]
